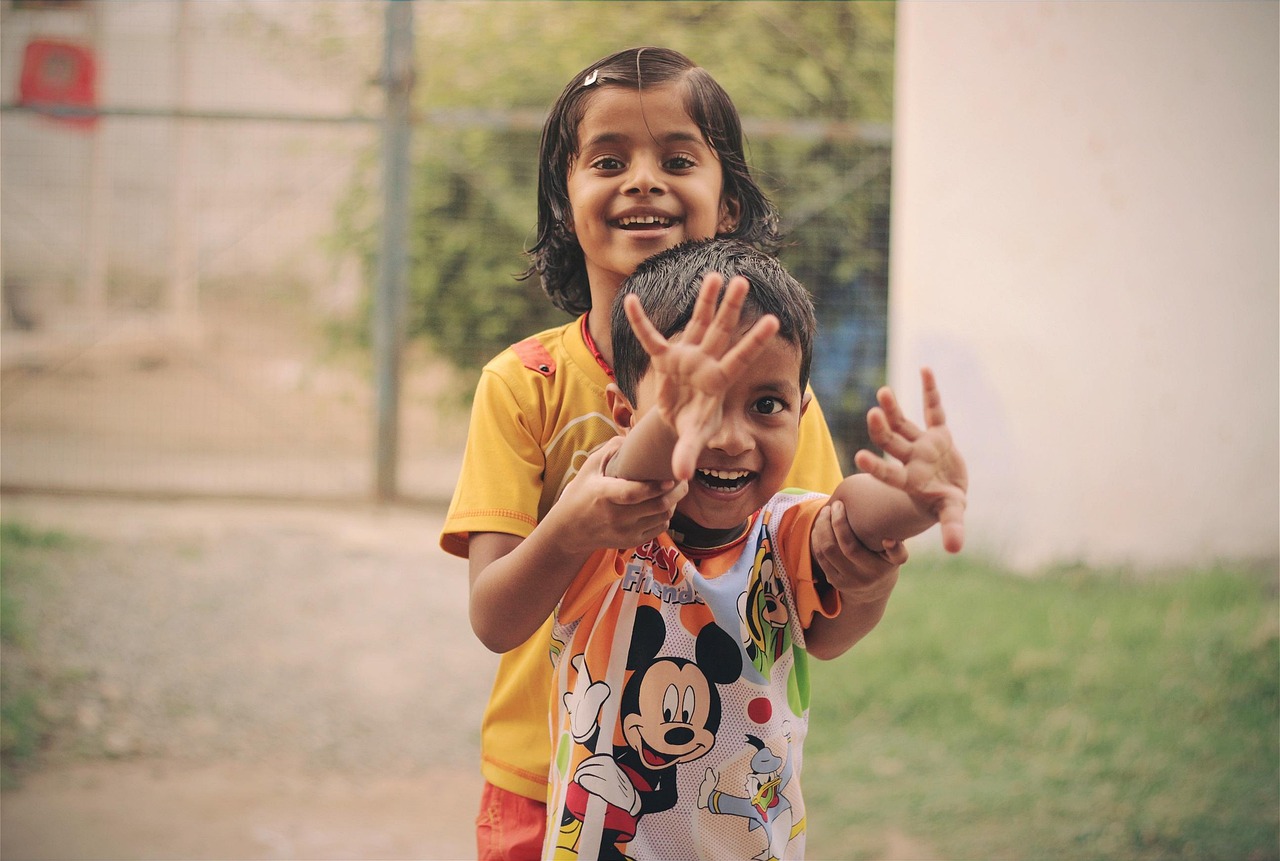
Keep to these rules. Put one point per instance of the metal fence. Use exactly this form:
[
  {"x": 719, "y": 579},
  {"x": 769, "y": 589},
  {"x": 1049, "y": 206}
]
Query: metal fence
[{"x": 171, "y": 280}]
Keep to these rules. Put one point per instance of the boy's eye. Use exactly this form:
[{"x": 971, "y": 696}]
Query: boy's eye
[{"x": 770, "y": 406}]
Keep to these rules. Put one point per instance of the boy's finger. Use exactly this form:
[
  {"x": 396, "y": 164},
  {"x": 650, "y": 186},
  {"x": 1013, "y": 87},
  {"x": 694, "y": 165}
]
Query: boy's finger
[
  {"x": 883, "y": 434},
  {"x": 951, "y": 519},
  {"x": 727, "y": 316},
  {"x": 703, "y": 308},
  {"x": 887, "y": 471},
  {"x": 934, "y": 415},
  {"x": 648, "y": 336},
  {"x": 684, "y": 459},
  {"x": 893, "y": 412},
  {"x": 750, "y": 346}
]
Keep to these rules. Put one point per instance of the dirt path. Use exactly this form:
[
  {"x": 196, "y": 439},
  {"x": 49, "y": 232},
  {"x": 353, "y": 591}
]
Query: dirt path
[{"x": 248, "y": 681}]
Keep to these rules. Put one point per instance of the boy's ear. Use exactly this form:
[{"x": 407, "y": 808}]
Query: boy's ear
[
  {"x": 806, "y": 400},
  {"x": 619, "y": 407},
  {"x": 730, "y": 212}
]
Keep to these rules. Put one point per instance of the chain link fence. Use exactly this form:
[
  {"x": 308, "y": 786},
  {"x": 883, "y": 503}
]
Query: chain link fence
[{"x": 179, "y": 315}]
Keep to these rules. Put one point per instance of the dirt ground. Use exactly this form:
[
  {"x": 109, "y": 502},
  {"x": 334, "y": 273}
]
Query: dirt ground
[{"x": 249, "y": 681}]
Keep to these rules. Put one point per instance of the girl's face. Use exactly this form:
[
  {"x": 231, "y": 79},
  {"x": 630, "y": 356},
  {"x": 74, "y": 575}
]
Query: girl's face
[{"x": 644, "y": 180}]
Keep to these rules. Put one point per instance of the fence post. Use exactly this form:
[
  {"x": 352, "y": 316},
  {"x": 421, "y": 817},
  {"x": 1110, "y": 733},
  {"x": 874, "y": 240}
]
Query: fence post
[
  {"x": 183, "y": 293},
  {"x": 390, "y": 296}
]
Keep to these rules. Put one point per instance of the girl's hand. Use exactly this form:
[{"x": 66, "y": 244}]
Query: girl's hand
[
  {"x": 926, "y": 466},
  {"x": 696, "y": 367},
  {"x": 853, "y": 570},
  {"x": 622, "y": 513}
]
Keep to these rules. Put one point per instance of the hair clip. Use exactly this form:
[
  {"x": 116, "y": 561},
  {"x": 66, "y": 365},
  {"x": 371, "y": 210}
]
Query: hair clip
[{"x": 592, "y": 79}]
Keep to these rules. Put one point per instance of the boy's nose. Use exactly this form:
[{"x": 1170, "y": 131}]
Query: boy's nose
[{"x": 734, "y": 436}]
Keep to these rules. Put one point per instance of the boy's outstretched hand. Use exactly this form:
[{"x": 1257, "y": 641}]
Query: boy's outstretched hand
[
  {"x": 927, "y": 465},
  {"x": 695, "y": 368}
]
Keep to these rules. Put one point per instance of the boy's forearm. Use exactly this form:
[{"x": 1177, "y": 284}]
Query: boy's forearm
[
  {"x": 646, "y": 451},
  {"x": 826, "y": 639},
  {"x": 878, "y": 513}
]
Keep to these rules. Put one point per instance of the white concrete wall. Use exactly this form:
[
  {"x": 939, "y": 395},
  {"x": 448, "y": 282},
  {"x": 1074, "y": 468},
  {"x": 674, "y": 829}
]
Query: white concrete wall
[
  {"x": 260, "y": 197},
  {"x": 1085, "y": 248}
]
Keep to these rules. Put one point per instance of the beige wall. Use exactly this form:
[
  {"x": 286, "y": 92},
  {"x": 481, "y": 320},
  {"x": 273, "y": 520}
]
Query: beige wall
[{"x": 1085, "y": 247}]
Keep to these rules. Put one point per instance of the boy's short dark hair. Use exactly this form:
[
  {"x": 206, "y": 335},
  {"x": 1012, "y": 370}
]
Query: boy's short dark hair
[
  {"x": 668, "y": 284},
  {"x": 556, "y": 256}
]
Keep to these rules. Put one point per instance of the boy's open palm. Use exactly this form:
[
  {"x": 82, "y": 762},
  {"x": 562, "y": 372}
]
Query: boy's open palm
[
  {"x": 926, "y": 466},
  {"x": 695, "y": 368}
]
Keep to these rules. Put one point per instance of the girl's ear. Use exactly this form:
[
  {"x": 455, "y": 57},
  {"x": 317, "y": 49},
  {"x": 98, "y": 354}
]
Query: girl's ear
[
  {"x": 624, "y": 414},
  {"x": 730, "y": 212}
]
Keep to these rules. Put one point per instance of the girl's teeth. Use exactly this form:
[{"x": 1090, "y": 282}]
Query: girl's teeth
[{"x": 643, "y": 219}]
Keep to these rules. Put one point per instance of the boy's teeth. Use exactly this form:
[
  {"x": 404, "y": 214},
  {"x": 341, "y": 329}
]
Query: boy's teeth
[{"x": 726, "y": 474}]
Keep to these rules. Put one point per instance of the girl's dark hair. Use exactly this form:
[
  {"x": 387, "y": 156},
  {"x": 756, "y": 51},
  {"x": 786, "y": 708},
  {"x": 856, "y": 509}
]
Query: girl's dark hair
[
  {"x": 668, "y": 284},
  {"x": 556, "y": 256}
]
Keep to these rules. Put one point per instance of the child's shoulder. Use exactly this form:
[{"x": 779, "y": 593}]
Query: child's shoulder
[
  {"x": 549, "y": 356},
  {"x": 790, "y": 496},
  {"x": 791, "y": 508},
  {"x": 537, "y": 353}
]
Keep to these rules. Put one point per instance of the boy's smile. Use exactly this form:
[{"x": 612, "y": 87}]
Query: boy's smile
[{"x": 644, "y": 180}]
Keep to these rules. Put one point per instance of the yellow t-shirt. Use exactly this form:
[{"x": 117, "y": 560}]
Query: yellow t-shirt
[{"x": 539, "y": 411}]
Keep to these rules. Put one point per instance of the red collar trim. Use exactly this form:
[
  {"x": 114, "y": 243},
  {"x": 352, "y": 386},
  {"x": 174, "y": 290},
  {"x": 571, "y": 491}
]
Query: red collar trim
[{"x": 591, "y": 345}]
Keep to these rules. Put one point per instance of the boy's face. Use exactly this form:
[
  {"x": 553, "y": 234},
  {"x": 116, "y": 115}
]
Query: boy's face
[
  {"x": 748, "y": 459},
  {"x": 643, "y": 180}
]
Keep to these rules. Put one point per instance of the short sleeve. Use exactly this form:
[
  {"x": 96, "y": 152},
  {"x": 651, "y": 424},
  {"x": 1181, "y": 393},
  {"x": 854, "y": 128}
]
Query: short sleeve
[
  {"x": 811, "y": 597},
  {"x": 500, "y": 483}
]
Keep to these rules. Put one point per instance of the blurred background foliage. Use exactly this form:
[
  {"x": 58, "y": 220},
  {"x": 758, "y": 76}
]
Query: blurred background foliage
[{"x": 812, "y": 81}]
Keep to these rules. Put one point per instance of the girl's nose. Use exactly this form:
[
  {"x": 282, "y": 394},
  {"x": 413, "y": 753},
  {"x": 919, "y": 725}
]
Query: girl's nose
[{"x": 644, "y": 178}]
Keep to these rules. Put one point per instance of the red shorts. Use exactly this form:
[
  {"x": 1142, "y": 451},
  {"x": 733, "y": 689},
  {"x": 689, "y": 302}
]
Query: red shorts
[{"x": 510, "y": 827}]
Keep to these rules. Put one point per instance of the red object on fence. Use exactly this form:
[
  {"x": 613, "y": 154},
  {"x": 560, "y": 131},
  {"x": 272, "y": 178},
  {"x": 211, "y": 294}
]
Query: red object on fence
[{"x": 57, "y": 74}]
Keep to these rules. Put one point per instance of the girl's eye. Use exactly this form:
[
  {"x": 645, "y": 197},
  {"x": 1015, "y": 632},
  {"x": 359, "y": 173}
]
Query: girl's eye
[
  {"x": 770, "y": 406},
  {"x": 607, "y": 162},
  {"x": 680, "y": 162}
]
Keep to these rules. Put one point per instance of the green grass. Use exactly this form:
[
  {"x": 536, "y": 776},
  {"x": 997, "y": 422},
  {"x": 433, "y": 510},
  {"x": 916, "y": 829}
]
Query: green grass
[
  {"x": 1074, "y": 716},
  {"x": 22, "y": 726}
]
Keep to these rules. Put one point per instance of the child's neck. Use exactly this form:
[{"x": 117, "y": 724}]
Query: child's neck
[
  {"x": 604, "y": 287},
  {"x": 598, "y": 326},
  {"x": 695, "y": 536}
]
